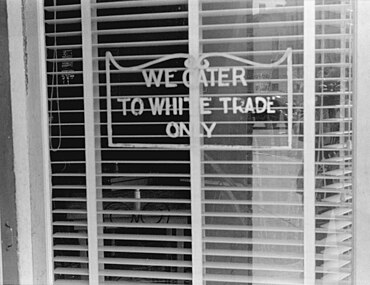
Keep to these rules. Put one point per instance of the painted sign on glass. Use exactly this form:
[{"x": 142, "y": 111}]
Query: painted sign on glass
[{"x": 148, "y": 97}]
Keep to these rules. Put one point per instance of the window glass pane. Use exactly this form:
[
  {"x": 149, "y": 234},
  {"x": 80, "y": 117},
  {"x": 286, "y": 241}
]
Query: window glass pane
[
  {"x": 252, "y": 176},
  {"x": 144, "y": 205},
  {"x": 253, "y": 191},
  {"x": 252, "y": 152},
  {"x": 333, "y": 131},
  {"x": 66, "y": 139}
]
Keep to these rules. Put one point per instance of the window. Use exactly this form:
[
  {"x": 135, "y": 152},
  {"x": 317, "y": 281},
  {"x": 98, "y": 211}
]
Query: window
[{"x": 201, "y": 141}]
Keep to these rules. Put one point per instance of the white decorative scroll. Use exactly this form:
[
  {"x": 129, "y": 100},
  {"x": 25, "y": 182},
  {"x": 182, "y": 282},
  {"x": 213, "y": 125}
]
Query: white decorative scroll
[{"x": 201, "y": 63}]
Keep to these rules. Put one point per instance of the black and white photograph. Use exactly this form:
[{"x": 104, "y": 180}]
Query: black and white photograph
[{"x": 185, "y": 142}]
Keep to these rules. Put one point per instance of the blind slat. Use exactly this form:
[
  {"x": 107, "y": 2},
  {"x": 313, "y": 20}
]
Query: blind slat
[
  {"x": 138, "y": 17},
  {"x": 237, "y": 241},
  {"x": 160, "y": 250},
  {"x": 71, "y": 271},
  {"x": 66, "y": 247},
  {"x": 77, "y": 259},
  {"x": 68, "y": 282},
  {"x": 337, "y": 198},
  {"x": 254, "y": 279},
  {"x": 157, "y": 43},
  {"x": 176, "y": 238},
  {"x": 145, "y": 262},
  {"x": 145, "y": 274},
  {"x": 59, "y": 8},
  {"x": 145, "y": 30},
  {"x": 337, "y": 185},
  {"x": 63, "y": 21},
  {"x": 137, "y": 4},
  {"x": 70, "y": 235},
  {"x": 150, "y": 226},
  {"x": 254, "y": 266}
]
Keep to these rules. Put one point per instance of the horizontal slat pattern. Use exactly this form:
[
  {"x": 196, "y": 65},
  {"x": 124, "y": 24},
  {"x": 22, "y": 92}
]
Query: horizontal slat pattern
[
  {"x": 143, "y": 199},
  {"x": 252, "y": 199},
  {"x": 252, "y": 205},
  {"x": 333, "y": 144},
  {"x": 64, "y": 79}
]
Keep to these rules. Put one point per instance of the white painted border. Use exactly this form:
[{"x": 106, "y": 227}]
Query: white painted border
[
  {"x": 309, "y": 142},
  {"x": 195, "y": 147},
  {"x": 361, "y": 139},
  {"x": 20, "y": 140},
  {"x": 45, "y": 146},
  {"x": 90, "y": 150},
  {"x": 196, "y": 62}
]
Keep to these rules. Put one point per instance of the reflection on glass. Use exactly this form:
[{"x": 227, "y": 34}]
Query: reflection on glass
[
  {"x": 252, "y": 186},
  {"x": 333, "y": 141},
  {"x": 252, "y": 183}
]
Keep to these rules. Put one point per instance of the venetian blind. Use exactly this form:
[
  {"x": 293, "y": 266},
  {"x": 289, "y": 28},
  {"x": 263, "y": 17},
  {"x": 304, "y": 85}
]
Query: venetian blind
[
  {"x": 144, "y": 228},
  {"x": 252, "y": 194},
  {"x": 137, "y": 189},
  {"x": 142, "y": 195},
  {"x": 333, "y": 153},
  {"x": 67, "y": 139}
]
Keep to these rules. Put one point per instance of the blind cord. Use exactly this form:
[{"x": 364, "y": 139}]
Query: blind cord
[{"x": 54, "y": 79}]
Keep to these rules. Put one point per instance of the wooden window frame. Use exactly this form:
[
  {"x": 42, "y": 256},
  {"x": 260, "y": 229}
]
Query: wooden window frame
[{"x": 361, "y": 137}]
